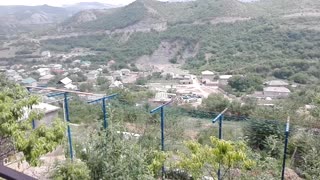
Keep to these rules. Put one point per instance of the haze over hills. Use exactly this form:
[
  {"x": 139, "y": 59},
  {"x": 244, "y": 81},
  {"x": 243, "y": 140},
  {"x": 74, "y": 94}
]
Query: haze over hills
[{"x": 22, "y": 18}]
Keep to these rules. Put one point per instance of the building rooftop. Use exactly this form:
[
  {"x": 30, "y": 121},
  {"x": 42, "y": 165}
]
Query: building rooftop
[
  {"x": 207, "y": 73},
  {"x": 47, "y": 108},
  {"x": 276, "y": 89},
  {"x": 66, "y": 81},
  {"x": 277, "y": 83},
  {"x": 29, "y": 80},
  {"x": 225, "y": 77}
]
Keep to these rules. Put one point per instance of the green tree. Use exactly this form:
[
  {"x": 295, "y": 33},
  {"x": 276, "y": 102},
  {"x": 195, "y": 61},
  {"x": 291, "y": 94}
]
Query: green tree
[
  {"x": 86, "y": 87},
  {"x": 205, "y": 159},
  {"x": 15, "y": 125},
  {"x": 245, "y": 83},
  {"x": 109, "y": 156},
  {"x": 215, "y": 103},
  {"x": 300, "y": 78}
]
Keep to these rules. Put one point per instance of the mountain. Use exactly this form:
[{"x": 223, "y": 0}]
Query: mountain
[
  {"x": 74, "y": 8},
  {"x": 200, "y": 11},
  {"x": 15, "y": 19}
]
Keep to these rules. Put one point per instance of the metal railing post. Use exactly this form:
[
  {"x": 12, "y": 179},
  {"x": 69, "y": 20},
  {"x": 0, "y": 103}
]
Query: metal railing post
[{"x": 285, "y": 148}]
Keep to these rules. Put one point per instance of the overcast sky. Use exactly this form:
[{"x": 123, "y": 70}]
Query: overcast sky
[{"x": 59, "y": 2}]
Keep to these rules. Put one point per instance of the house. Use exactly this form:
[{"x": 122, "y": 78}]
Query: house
[
  {"x": 85, "y": 63},
  {"x": 46, "y": 54},
  {"x": 43, "y": 71},
  {"x": 29, "y": 82},
  {"x": 92, "y": 75},
  {"x": 277, "y": 83},
  {"x": 50, "y": 113},
  {"x": 223, "y": 79},
  {"x": 186, "y": 81},
  {"x": 44, "y": 80},
  {"x": 276, "y": 92},
  {"x": 207, "y": 75},
  {"x": 116, "y": 84},
  {"x": 163, "y": 97},
  {"x": 65, "y": 81},
  {"x": 208, "y": 82},
  {"x": 125, "y": 72},
  {"x": 71, "y": 86},
  {"x": 117, "y": 75},
  {"x": 13, "y": 75}
]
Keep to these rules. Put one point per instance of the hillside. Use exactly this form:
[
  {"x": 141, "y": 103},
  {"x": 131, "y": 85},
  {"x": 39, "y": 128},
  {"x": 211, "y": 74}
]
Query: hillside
[{"x": 266, "y": 37}]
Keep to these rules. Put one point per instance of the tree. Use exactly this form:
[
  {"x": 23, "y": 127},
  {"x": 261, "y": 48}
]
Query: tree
[
  {"x": 16, "y": 130},
  {"x": 205, "y": 159},
  {"x": 86, "y": 87},
  {"x": 301, "y": 78},
  {"x": 141, "y": 81},
  {"x": 109, "y": 156},
  {"x": 258, "y": 131},
  {"x": 215, "y": 103},
  {"x": 245, "y": 83},
  {"x": 102, "y": 81}
]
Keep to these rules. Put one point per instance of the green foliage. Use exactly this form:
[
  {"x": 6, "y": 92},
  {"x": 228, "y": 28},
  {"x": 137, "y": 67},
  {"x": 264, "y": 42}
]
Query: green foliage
[
  {"x": 204, "y": 159},
  {"x": 86, "y": 87},
  {"x": 300, "y": 78},
  {"x": 14, "y": 100},
  {"x": 245, "y": 83},
  {"x": 141, "y": 81},
  {"x": 215, "y": 103},
  {"x": 258, "y": 131},
  {"x": 109, "y": 156},
  {"x": 71, "y": 171}
]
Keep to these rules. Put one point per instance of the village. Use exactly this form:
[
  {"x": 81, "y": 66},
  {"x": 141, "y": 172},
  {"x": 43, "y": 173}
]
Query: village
[{"x": 185, "y": 88}]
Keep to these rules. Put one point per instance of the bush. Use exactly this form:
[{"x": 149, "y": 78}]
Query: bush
[
  {"x": 71, "y": 171},
  {"x": 258, "y": 131}
]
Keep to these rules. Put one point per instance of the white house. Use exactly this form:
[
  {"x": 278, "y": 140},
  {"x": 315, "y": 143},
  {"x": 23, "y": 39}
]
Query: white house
[
  {"x": 50, "y": 112},
  {"x": 66, "y": 81},
  {"x": 125, "y": 72},
  {"x": 223, "y": 79},
  {"x": 46, "y": 54},
  {"x": 43, "y": 71},
  {"x": 277, "y": 83},
  {"x": 276, "y": 92},
  {"x": 116, "y": 84},
  {"x": 207, "y": 75}
]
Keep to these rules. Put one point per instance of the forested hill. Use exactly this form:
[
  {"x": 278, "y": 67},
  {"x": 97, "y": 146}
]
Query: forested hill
[
  {"x": 270, "y": 37},
  {"x": 200, "y": 11}
]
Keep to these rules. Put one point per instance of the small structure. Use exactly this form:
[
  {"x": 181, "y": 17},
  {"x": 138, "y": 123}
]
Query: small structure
[
  {"x": 189, "y": 81},
  {"x": 163, "y": 97},
  {"x": 223, "y": 79},
  {"x": 116, "y": 84},
  {"x": 93, "y": 75},
  {"x": 43, "y": 71},
  {"x": 85, "y": 63},
  {"x": 65, "y": 81},
  {"x": 117, "y": 75},
  {"x": 207, "y": 75},
  {"x": 46, "y": 54},
  {"x": 29, "y": 82},
  {"x": 44, "y": 80},
  {"x": 125, "y": 72},
  {"x": 277, "y": 83},
  {"x": 71, "y": 86},
  {"x": 276, "y": 92},
  {"x": 208, "y": 82},
  {"x": 50, "y": 113}
]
